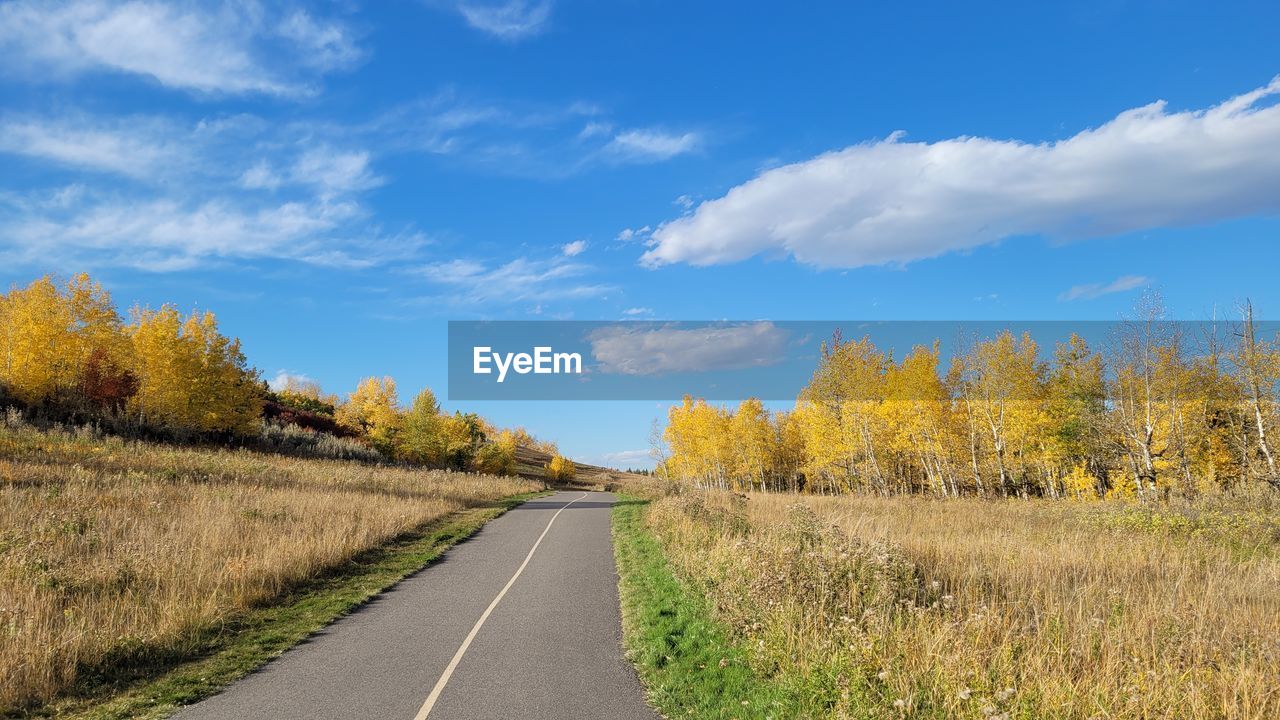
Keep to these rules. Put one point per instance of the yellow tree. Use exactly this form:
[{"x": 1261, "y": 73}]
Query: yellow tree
[
  {"x": 498, "y": 455},
  {"x": 1006, "y": 390},
  {"x": 824, "y": 458},
  {"x": 753, "y": 437},
  {"x": 849, "y": 385},
  {"x": 1076, "y": 399},
  {"x": 37, "y": 331},
  {"x": 917, "y": 410},
  {"x": 48, "y": 335},
  {"x": 374, "y": 410},
  {"x": 1147, "y": 355},
  {"x": 191, "y": 377},
  {"x": 422, "y": 436},
  {"x": 1257, "y": 365}
]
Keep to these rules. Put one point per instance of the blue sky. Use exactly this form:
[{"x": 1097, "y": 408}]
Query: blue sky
[{"x": 337, "y": 180}]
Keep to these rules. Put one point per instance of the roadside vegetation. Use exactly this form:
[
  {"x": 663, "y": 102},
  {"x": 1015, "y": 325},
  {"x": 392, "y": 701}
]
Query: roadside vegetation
[
  {"x": 916, "y": 607},
  {"x": 685, "y": 657},
  {"x": 118, "y": 552}
]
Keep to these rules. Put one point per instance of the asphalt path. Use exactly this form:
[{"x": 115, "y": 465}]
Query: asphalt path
[{"x": 520, "y": 621}]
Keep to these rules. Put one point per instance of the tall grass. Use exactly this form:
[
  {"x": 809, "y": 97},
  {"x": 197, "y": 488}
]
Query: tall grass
[
  {"x": 909, "y": 607},
  {"x": 114, "y": 552}
]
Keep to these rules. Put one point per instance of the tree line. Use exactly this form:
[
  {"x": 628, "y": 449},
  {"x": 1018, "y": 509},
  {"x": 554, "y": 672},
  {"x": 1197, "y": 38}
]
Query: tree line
[
  {"x": 1161, "y": 410},
  {"x": 67, "y": 354}
]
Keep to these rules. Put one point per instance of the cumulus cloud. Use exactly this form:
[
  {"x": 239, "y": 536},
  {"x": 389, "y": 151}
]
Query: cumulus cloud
[
  {"x": 512, "y": 20},
  {"x": 285, "y": 379},
  {"x": 231, "y": 48},
  {"x": 1090, "y": 291},
  {"x": 893, "y": 201},
  {"x": 573, "y": 249},
  {"x": 655, "y": 350}
]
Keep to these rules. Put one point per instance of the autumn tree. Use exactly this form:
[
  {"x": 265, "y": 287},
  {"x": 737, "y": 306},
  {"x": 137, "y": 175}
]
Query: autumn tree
[
  {"x": 422, "y": 438},
  {"x": 1076, "y": 399},
  {"x": 191, "y": 377},
  {"x": 48, "y": 335},
  {"x": 1257, "y": 364},
  {"x": 373, "y": 409},
  {"x": 1005, "y": 379}
]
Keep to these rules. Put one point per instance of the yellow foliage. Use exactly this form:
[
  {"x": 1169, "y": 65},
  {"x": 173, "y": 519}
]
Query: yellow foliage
[
  {"x": 374, "y": 410},
  {"x": 191, "y": 377},
  {"x": 47, "y": 335},
  {"x": 1080, "y": 484},
  {"x": 560, "y": 469}
]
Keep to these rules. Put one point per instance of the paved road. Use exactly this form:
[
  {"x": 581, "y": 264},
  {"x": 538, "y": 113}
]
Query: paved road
[{"x": 492, "y": 630}]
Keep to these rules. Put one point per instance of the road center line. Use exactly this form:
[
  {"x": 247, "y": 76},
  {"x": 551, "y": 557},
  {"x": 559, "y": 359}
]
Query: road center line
[{"x": 425, "y": 710}]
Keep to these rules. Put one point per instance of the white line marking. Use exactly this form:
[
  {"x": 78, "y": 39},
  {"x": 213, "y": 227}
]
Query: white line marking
[{"x": 425, "y": 710}]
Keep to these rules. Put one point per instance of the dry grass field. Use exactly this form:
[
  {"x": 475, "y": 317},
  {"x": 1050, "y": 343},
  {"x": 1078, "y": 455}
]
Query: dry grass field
[
  {"x": 911, "y": 607},
  {"x": 114, "y": 550}
]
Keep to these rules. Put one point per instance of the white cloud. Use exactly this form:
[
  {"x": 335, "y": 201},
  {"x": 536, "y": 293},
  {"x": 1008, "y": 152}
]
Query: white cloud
[
  {"x": 334, "y": 172},
  {"x": 638, "y": 311},
  {"x": 195, "y": 195},
  {"x": 628, "y": 458},
  {"x": 260, "y": 176},
  {"x": 654, "y": 350},
  {"x": 323, "y": 45},
  {"x": 629, "y": 234},
  {"x": 573, "y": 249},
  {"x": 171, "y": 234},
  {"x": 894, "y": 202},
  {"x": 512, "y": 20},
  {"x": 137, "y": 147},
  {"x": 684, "y": 201},
  {"x": 518, "y": 280},
  {"x": 651, "y": 145},
  {"x": 1096, "y": 290},
  {"x": 594, "y": 129},
  {"x": 231, "y": 48},
  {"x": 284, "y": 379}
]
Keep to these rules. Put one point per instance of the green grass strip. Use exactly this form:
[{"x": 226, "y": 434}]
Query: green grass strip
[
  {"x": 157, "y": 687},
  {"x": 683, "y": 655}
]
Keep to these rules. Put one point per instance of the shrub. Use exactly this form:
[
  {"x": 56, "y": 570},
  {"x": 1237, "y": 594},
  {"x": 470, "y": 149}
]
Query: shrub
[{"x": 294, "y": 440}]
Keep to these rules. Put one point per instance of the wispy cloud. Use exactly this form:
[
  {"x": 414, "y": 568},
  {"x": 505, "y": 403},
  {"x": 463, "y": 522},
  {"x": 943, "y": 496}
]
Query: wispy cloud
[
  {"x": 636, "y": 311},
  {"x": 133, "y": 146},
  {"x": 628, "y": 458},
  {"x": 511, "y": 20},
  {"x": 469, "y": 281},
  {"x": 213, "y": 190},
  {"x": 894, "y": 202},
  {"x": 230, "y": 48},
  {"x": 1090, "y": 291},
  {"x": 573, "y": 249},
  {"x": 652, "y": 145}
]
